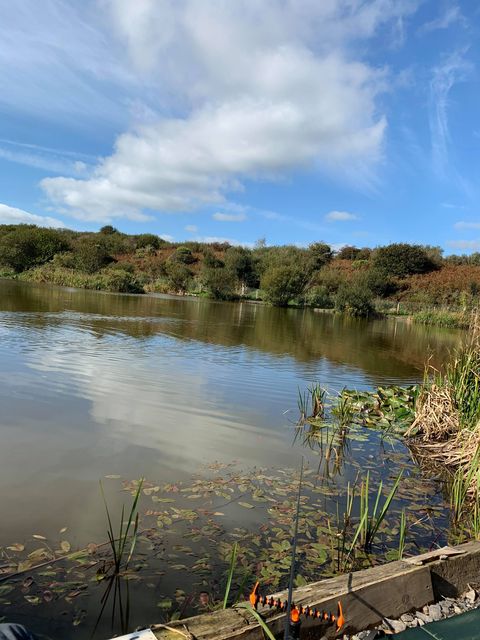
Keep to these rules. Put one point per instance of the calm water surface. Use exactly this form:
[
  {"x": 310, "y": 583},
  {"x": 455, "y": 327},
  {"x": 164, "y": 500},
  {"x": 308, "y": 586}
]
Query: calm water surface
[{"x": 95, "y": 384}]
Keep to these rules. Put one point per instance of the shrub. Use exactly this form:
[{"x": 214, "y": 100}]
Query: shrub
[
  {"x": 239, "y": 261},
  {"x": 348, "y": 253},
  {"x": 281, "y": 284},
  {"x": 90, "y": 254},
  {"x": 178, "y": 276},
  {"x": 319, "y": 297},
  {"x": 108, "y": 230},
  {"x": 27, "y": 246},
  {"x": 380, "y": 284},
  {"x": 218, "y": 283},
  {"x": 354, "y": 300},
  {"x": 319, "y": 254},
  {"x": 402, "y": 260},
  {"x": 145, "y": 240},
  {"x": 183, "y": 255}
]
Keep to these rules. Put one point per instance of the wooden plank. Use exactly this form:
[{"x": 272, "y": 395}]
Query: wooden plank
[
  {"x": 367, "y": 597},
  {"x": 435, "y": 555},
  {"x": 360, "y": 593},
  {"x": 451, "y": 578}
]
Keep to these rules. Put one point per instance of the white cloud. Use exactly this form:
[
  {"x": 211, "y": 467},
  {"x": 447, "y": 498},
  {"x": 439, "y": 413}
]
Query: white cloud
[
  {"x": 229, "y": 217},
  {"x": 468, "y": 245},
  {"x": 467, "y": 225},
  {"x": 45, "y": 158},
  {"x": 191, "y": 228},
  {"x": 454, "y": 69},
  {"x": 340, "y": 216},
  {"x": 451, "y": 16},
  {"x": 211, "y": 239},
  {"x": 12, "y": 215},
  {"x": 258, "y": 91},
  {"x": 167, "y": 237}
]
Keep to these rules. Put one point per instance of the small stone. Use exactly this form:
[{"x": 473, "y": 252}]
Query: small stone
[
  {"x": 456, "y": 609},
  {"x": 445, "y": 607},
  {"x": 407, "y": 618},
  {"x": 397, "y": 626},
  {"x": 435, "y": 612},
  {"x": 470, "y": 596},
  {"x": 424, "y": 617}
]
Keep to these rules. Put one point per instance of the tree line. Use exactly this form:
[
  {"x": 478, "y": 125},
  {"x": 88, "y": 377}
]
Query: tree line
[{"x": 349, "y": 279}]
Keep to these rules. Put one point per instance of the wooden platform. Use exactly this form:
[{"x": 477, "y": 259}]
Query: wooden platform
[{"x": 367, "y": 597}]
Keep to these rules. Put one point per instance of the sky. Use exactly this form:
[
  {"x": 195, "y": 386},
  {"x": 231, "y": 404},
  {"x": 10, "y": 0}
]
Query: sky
[{"x": 344, "y": 121}]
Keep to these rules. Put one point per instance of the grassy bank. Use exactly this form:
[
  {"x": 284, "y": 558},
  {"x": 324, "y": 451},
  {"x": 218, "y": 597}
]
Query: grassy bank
[{"x": 443, "y": 318}]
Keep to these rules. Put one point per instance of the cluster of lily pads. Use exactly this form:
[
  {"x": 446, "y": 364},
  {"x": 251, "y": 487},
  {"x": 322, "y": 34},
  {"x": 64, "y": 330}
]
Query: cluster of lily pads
[{"x": 187, "y": 533}]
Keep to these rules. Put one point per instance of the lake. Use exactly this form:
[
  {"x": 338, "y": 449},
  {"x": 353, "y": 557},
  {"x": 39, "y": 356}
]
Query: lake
[{"x": 95, "y": 384}]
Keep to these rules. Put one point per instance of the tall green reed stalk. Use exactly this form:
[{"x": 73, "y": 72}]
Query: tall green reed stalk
[
  {"x": 370, "y": 522},
  {"x": 231, "y": 571},
  {"x": 123, "y": 541}
]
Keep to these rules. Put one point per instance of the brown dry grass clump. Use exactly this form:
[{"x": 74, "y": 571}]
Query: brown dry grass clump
[{"x": 447, "y": 423}]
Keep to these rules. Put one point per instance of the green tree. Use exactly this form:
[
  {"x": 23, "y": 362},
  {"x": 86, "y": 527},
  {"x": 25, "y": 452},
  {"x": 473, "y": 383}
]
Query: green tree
[
  {"x": 28, "y": 246},
  {"x": 178, "y": 276},
  {"x": 148, "y": 240},
  {"x": 354, "y": 300},
  {"x": 183, "y": 255},
  {"x": 402, "y": 260},
  {"x": 108, "y": 230},
  {"x": 90, "y": 254},
  {"x": 218, "y": 283},
  {"x": 238, "y": 261},
  {"x": 282, "y": 284},
  {"x": 319, "y": 254},
  {"x": 348, "y": 253}
]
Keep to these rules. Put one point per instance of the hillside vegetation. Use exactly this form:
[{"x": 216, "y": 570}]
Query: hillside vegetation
[{"x": 397, "y": 278}]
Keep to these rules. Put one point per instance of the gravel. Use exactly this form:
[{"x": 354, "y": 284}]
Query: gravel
[{"x": 445, "y": 608}]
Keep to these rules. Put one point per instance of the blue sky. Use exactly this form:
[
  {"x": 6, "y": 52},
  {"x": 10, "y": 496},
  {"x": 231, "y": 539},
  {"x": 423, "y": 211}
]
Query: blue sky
[{"x": 348, "y": 121}]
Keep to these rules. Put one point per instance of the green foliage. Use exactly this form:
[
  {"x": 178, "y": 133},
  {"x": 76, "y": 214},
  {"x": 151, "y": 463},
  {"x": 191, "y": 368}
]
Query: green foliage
[
  {"x": 148, "y": 240},
  {"x": 443, "y": 318},
  {"x": 402, "y": 260},
  {"x": 354, "y": 300},
  {"x": 319, "y": 297},
  {"x": 24, "y": 246},
  {"x": 211, "y": 261},
  {"x": 178, "y": 276},
  {"x": 218, "y": 283},
  {"x": 379, "y": 283},
  {"x": 238, "y": 261},
  {"x": 319, "y": 254},
  {"x": 348, "y": 253},
  {"x": 108, "y": 230},
  {"x": 183, "y": 255},
  {"x": 90, "y": 254},
  {"x": 282, "y": 284},
  {"x": 111, "y": 279}
]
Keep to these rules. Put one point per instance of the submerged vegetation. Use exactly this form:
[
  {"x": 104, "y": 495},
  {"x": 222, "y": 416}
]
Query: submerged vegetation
[{"x": 398, "y": 278}]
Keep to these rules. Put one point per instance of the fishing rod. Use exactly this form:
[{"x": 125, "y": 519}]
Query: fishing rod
[
  {"x": 288, "y": 621},
  {"x": 292, "y": 610}
]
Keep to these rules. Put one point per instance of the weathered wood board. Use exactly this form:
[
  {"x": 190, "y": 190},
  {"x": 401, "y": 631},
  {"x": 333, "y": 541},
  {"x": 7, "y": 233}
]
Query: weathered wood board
[{"x": 367, "y": 597}]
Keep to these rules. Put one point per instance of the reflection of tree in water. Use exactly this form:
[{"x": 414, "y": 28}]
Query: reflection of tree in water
[{"x": 393, "y": 348}]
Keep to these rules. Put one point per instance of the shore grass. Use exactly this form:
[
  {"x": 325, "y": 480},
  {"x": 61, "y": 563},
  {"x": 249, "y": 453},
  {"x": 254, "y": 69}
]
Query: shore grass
[
  {"x": 447, "y": 420},
  {"x": 443, "y": 318}
]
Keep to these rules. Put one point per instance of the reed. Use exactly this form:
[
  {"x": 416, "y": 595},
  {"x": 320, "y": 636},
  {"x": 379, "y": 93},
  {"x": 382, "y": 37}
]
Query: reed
[
  {"x": 343, "y": 410},
  {"x": 123, "y": 542},
  {"x": 370, "y": 522},
  {"x": 231, "y": 571},
  {"x": 402, "y": 535}
]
